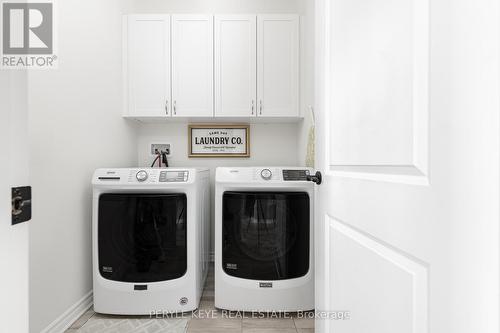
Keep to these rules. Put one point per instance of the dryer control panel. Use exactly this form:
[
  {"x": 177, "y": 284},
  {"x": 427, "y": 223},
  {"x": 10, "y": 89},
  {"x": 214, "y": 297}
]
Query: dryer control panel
[
  {"x": 262, "y": 175},
  {"x": 173, "y": 176},
  {"x": 158, "y": 176},
  {"x": 295, "y": 175}
]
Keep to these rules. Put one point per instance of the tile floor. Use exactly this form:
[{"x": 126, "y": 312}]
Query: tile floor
[{"x": 196, "y": 322}]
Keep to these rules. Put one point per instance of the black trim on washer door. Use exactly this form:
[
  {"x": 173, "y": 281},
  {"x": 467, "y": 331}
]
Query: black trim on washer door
[
  {"x": 265, "y": 235},
  {"x": 142, "y": 237}
]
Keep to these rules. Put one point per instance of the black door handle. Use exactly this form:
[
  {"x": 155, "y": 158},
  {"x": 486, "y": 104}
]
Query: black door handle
[
  {"x": 21, "y": 204},
  {"x": 317, "y": 178}
]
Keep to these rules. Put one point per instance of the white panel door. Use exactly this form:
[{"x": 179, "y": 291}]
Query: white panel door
[
  {"x": 192, "y": 65},
  {"x": 408, "y": 121},
  {"x": 147, "y": 56},
  {"x": 14, "y": 239},
  {"x": 278, "y": 65},
  {"x": 235, "y": 65}
]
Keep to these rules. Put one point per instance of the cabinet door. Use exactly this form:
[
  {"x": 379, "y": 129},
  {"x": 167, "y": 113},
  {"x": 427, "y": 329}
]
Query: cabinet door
[
  {"x": 278, "y": 65},
  {"x": 192, "y": 65},
  {"x": 235, "y": 65},
  {"x": 147, "y": 65}
]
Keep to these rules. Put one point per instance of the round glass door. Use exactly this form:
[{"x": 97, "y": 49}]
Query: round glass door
[
  {"x": 266, "y": 235},
  {"x": 142, "y": 237}
]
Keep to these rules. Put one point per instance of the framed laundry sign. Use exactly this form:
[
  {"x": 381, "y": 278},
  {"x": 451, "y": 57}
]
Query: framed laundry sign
[{"x": 221, "y": 140}]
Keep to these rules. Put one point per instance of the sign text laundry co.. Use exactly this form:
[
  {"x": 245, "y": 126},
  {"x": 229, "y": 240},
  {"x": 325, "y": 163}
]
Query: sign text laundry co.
[{"x": 218, "y": 140}]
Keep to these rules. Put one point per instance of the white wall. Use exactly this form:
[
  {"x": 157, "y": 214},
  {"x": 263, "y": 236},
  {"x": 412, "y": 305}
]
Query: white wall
[
  {"x": 270, "y": 145},
  {"x": 14, "y": 170},
  {"x": 75, "y": 127},
  {"x": 306, "y": 10},
  {"x": 215, "y": 6},
  {"x": 467, "y": 72}
]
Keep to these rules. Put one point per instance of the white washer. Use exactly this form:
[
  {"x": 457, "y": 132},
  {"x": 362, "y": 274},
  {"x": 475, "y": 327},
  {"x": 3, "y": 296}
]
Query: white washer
[
  {"x": 264, "y": 239},
  {"x": 151, "y": 239}
]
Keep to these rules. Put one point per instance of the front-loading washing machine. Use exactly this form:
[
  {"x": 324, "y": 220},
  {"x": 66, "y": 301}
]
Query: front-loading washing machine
[
  {"x": 151, "y": 239},
  {"x": 264, "y": 239}
]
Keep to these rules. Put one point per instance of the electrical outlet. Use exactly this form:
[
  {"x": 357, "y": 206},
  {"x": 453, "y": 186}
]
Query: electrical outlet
[{"x": 159, "y": 147}]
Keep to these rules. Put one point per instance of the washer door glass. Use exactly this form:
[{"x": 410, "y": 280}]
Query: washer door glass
[
  {"x": 142, "y": 237},
  {"x": 266, "y": 235}
]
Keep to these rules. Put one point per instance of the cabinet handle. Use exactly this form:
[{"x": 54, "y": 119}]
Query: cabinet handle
[
  {"x": 253, "y": 106},
  {"x": 261, "y": 107},
  {"x": 175, "y": 107},
  {"x": 166, "y": 107}
]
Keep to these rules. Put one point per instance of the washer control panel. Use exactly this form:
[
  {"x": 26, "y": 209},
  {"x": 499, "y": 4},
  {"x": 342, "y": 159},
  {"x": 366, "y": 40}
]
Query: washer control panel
[
  {"x": 295, "y": 175},
  {"x": 173, "y": 176},
  {"x": 158, "y": 176},
  {"x": 143, "y": 176}
]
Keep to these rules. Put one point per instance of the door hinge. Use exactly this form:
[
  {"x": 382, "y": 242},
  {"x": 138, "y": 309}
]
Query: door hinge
[{"x": 21, "y": 204}]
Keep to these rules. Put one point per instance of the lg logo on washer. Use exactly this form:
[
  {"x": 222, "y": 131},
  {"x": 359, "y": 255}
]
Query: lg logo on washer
[{"x": 28, "y": 35}]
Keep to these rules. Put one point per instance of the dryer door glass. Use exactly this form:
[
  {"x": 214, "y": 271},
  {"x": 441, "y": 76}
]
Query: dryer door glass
[
  {"x": 142, "y": 237},
  {"x": 266, "y": 235}
]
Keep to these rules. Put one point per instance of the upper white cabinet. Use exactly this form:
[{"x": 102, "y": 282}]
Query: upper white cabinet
[
  {"x": 147, "y": 65},
  {"x": 278, "y": 65},
  {"x": 199, "y": 67},
  {"x": 235, "y": 65},
  {"x": 192, "y": 65}
]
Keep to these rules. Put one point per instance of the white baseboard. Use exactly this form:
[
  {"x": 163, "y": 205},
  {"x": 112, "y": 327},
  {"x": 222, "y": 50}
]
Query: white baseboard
[{"x": 64, "y": 321}]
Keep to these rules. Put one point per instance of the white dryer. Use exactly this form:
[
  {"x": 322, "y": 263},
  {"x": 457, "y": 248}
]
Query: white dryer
[
  {"x": 151, "y": 239},
  {"x": 264, "y": 239}
]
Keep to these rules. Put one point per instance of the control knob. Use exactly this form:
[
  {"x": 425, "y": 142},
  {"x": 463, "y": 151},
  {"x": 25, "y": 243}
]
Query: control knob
[
  {"x": 266, "y": 174},
  {"x": 141, "y": 176}
]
